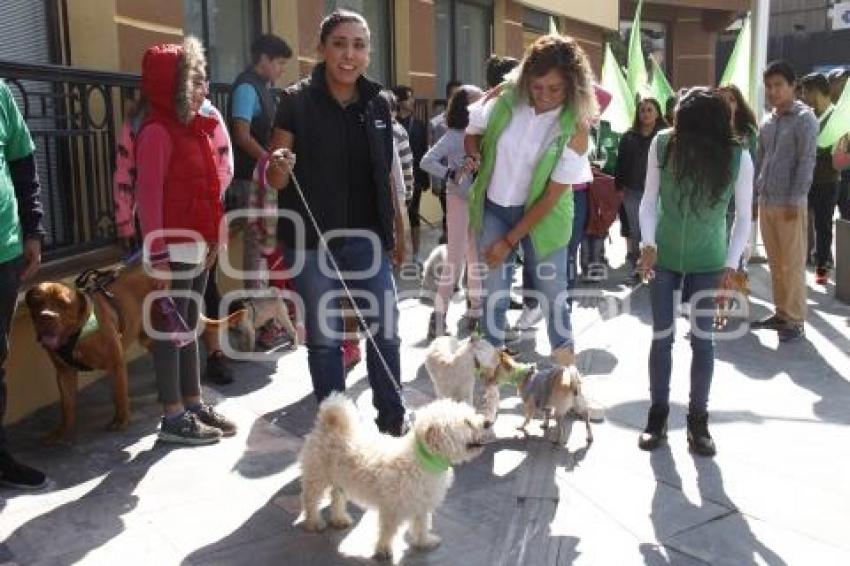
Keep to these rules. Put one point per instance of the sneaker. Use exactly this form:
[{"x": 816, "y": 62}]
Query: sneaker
[
  {"x": 15, "y": 475},
  {"x": 699, "y": 440},
  {"x": 436, "y": 325},
  {"x": 656, "y": 428},
  {"x": 774, "y": 322},
  {"x": 212, "y": 418},
  {"x": 821, "y": 276},
  {"x": 529, "y": 317},
  {"x": 217, "y": 370},
  {"x": 792, "y": 332},
  {"x": 351, "y": 355},
  {"x": 188, "y": 429}
]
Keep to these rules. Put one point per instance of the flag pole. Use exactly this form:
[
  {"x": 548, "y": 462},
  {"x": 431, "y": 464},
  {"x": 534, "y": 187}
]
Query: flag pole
[{"x": 759, "y": 28}]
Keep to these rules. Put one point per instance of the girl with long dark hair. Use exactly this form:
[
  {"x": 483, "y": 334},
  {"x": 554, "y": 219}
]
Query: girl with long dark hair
[{"x": 692, "y": 172}]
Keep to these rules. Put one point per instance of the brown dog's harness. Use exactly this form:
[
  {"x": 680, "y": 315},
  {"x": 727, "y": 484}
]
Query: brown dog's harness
[{"x": 88, "y": 283}]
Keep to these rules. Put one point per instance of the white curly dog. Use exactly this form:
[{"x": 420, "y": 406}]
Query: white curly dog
[
  {"x": 455, "y": 365},
  {"x": 405, "y": 478}
]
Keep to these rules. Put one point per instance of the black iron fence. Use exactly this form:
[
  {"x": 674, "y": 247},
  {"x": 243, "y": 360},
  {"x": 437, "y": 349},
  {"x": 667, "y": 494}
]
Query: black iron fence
[{"x": 74, "y": 116}]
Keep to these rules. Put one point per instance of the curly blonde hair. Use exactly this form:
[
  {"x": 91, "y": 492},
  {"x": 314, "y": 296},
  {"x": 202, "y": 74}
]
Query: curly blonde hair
[
  {"x": 564, "y": 54},
  {"x": 192, "y": 62}
]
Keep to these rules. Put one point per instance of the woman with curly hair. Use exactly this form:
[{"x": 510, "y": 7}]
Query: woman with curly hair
[
  {"x": 692, "y": 172},
  {"x": 528, "y": 143}
]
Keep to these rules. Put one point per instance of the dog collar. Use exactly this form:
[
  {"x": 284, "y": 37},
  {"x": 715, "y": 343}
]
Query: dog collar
[
  {"x": 431, "y": 462},
  {"x": 521, "y": 371}
]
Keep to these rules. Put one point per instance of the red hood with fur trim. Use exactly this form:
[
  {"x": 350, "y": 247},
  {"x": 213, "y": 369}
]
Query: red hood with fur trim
[{"x": 160, "y": 78}]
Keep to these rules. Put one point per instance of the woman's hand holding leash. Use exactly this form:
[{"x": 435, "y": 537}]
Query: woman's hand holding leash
[
  {"x": 283, "y": 159},
  {"x": 646, "y": 263}
]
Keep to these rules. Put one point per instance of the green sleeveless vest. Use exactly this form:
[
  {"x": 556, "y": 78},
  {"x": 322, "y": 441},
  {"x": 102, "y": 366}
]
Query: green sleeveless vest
[
  {"x": 555, "y": 229},
  {"x": 688, "y": 241}
]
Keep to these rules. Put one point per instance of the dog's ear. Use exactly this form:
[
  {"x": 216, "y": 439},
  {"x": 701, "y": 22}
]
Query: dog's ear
[
  {"x": 34, "y": 298},
  {"x": 433, "y": 438}
]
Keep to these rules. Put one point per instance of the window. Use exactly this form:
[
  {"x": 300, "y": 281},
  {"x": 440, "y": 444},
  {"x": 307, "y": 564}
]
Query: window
[
  {"x": 654, "y": 42},
  {"x": 463, "y": 40},
  {"x": 377, "y": 16},
  {"x": 227, "y": 28}
]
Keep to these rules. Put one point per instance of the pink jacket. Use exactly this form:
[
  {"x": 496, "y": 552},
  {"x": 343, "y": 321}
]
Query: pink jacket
[{"x": 124, "y": 191}]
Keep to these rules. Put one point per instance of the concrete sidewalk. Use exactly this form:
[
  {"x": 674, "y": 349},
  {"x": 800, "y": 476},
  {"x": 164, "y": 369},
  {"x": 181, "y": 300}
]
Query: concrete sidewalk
[{"x": 777, "y": 492}]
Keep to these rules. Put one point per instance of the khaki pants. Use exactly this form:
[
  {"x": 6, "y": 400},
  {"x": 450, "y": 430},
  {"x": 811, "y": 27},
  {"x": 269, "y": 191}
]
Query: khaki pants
[{"x": 784, "y": 230}]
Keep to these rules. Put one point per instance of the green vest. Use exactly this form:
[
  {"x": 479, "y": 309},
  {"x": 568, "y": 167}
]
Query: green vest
[
  {"x": 689, "y": 241},
  {"x": 555, "y": 229}
]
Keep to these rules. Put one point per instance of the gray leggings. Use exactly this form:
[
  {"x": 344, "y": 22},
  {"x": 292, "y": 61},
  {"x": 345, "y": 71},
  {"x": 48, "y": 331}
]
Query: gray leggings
[{"x": 177, "y": 373}]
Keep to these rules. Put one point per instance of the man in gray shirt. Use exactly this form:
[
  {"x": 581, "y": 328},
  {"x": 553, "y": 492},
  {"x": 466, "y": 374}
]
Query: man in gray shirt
[{"x": 784, "y": 171}]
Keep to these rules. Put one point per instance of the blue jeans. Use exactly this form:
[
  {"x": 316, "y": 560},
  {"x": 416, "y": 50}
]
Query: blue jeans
[
  {"x": 662, "y": 292},
  {"x": 579, "y": 224},
  {"x": 548, "y": 277},
  {"x": 375, "y": 294}
]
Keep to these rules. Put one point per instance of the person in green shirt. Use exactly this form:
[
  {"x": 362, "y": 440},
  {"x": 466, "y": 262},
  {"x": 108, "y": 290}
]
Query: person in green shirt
[{"x": 21, "y": 232}]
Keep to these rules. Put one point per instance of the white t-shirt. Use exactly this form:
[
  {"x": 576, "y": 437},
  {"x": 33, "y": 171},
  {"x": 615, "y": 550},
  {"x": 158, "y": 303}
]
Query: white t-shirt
[{"x": 518, "y": 152}]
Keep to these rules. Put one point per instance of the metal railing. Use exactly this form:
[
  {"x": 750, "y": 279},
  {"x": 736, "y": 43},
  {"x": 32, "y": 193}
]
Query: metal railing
[{"x": 74, "y": 116}]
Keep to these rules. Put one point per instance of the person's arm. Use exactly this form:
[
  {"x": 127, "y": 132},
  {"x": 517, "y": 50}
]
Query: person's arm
[
  {"x": 431, "y": 161},
  {"x": 572, "y": 168},
  {"x": 397, "y": 176},
  {"x": 623, "y": 163},
  {"x": 245, "y": 105},
  {"x": 153, "y": 154},
  {"x": 648, "y": 212},
  {"x": 743, "y": 212},
  {"x": 806, "y": 132},
  {"x": 479, "y": 117}
]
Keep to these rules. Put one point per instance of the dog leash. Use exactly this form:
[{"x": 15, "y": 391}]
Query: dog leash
[{"x": 360, "y": 318}]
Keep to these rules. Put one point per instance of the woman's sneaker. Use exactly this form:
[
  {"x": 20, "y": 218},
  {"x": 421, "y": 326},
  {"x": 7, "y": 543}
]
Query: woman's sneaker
[
  {"x": 436, "y": 325},
  {"x": 699, "y": 440},
  {"x": 187, "y": 429},
  {"x": 212, "y": 418}
]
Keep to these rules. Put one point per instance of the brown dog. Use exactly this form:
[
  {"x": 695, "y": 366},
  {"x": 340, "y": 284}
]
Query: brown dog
[
  {"x": 555, "y": 391},
  {"x": 63, "y": 324}
]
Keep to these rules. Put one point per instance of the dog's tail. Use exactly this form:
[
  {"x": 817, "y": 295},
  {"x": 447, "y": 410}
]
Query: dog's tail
[{"x": 337, "y": 415}]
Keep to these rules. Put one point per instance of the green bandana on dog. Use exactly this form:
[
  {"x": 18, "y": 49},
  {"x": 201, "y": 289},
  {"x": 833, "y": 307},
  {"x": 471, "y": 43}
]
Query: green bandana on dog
[{"x": 431, "y": 462}]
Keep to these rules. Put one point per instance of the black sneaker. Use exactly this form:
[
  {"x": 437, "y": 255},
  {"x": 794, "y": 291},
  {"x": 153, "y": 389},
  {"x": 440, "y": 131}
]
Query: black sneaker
[
  {"x": 792, "y": 332},
  {"x": 210, "y": 417},
  {"x": 699, "y": 440},
  {"x": 188, "y": 429},
  {"x": 656, "y": 428},
  {"x": 217, "y": 370},
  {"x": 774, "y": 322},
  {"x": 15, "y": 475}
]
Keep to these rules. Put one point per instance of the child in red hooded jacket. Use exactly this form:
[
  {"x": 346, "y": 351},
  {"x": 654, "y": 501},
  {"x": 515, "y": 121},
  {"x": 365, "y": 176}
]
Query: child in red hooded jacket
[{"x": 180, "y": 212}]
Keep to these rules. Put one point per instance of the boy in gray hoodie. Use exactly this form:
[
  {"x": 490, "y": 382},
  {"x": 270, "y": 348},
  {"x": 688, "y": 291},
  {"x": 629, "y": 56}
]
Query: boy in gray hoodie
[{"x": 784, "y": 171}]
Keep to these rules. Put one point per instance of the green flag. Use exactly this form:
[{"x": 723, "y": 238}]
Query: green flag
[
  {"x": 839, "y": 123},
  {"x": 621, "y": 110},
  {"x": 660, "y": 86},
  {"x": 738, "y": 68},
  {"x": 636, "y": 77}
]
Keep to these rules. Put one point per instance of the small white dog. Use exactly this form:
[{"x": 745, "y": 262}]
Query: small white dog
[
  {"x": 405, "y": 479},
  {"x": 260, "y": 310},
  {"x": 454, "y": 366}
]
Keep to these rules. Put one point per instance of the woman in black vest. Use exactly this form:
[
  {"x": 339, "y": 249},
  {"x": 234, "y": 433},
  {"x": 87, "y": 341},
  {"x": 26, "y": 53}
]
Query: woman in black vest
[{"x": 340, "y": 129}]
